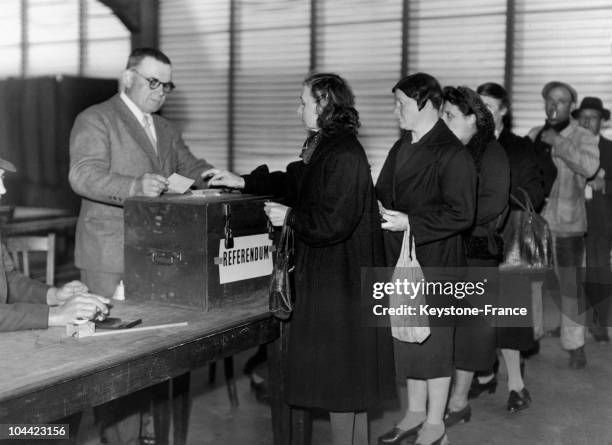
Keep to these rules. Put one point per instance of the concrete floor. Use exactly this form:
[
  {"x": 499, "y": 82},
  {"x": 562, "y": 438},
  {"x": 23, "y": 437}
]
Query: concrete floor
[{"x": 570, "y": 407}]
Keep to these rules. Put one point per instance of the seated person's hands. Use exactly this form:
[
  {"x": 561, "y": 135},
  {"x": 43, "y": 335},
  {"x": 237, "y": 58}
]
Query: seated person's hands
[
  {"x": 60, "y": 295},
  {"x": 149, "y": 184},
  {"x": 393, "y": 220},
  {"x": 224, "y": 178},
  {"x": 276, "y": 213},
  {"x": 78, "y": 307}
]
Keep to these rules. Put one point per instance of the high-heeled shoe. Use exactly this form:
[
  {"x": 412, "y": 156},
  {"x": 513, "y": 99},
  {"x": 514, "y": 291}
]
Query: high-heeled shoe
[
  {"x": 477, "y": 388},
  {"x": 454, "y": 417},
  {"x": 396, "y": 435},
  {"x": 424, "y": 436},
  {"x": 518, "y": 400}
]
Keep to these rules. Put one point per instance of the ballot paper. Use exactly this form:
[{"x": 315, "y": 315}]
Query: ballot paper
[{"x": 178, "y": 183}]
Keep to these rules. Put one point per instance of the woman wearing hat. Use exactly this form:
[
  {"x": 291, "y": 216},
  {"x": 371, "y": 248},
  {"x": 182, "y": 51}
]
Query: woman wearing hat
[
  {"x": 428, "y": 186},
  {"x": 29, "y": 304},
  {"x": 470, "y": 120}
]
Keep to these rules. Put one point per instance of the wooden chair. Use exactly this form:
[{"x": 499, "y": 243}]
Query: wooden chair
[{"x": 19, "y": 248}]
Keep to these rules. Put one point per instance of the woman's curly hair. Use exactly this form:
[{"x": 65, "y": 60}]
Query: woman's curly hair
[
  {"x": 335, "y": 103},
  {"x": 468, "y": 102}
]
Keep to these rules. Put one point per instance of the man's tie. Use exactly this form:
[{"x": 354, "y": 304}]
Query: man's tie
[{"x": 147, "y": 124}]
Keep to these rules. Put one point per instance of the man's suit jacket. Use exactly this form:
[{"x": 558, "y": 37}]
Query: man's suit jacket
[
  {"x": 108, "y": 150},
  {"x": 23, "y": 301}
]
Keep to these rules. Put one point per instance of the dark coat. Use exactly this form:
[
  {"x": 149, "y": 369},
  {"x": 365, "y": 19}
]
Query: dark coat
[
  {"x": 525, "y": 171},
  {"x": 436, "y": 187},
  {"x": 483, "y": 241},
  {"x": 334, "y": 361},
  {"x": 23, "y": 301},
  {"x": 599, "y": 208}
]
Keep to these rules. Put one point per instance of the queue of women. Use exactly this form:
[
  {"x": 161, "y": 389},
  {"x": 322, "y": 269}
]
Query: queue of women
[{"x": 447, "y": 181}]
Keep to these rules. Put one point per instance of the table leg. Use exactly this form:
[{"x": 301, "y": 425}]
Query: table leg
[
  {"x": 181, "y": 408},
  {"x": 160, "y": 394}
]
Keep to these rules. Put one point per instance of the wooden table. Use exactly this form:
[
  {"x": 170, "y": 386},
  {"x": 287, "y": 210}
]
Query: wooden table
[
  {"x": 31, "y": 220},
  {"x": 45, "y": 375}
]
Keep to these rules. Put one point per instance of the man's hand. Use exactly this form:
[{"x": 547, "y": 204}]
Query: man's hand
[
  {"x": 393, "y": 220},
  {"x": 77, "y": 307},
  {"x": 60, "y": 295},
  {"x": 149, "y": 184},
  {"x": 276, "y": 213},
  {"x": 549, "y": 136},
  {"x": 224, "y": 178}
]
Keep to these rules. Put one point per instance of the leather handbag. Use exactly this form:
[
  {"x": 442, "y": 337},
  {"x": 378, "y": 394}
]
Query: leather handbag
[
  {"x": 527, "y": 239},
  {"x": 281, "y": 295},
  {"x": 408, "y": 328}
]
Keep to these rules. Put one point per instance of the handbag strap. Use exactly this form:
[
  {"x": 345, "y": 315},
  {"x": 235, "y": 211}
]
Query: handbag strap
[
  {"x": 285, "y": 243},
  {"x": 528, "y": 206},
  {"x": 411, "y": 247}
]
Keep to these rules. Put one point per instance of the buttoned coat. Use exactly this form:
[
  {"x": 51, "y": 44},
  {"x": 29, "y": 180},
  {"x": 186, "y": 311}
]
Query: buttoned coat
[{"x": 109, "y": 149}]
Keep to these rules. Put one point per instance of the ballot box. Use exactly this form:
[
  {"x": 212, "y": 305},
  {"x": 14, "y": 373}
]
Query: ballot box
[{"x": 202, "y": 250}]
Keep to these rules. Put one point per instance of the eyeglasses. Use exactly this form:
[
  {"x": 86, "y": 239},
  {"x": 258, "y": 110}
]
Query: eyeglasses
[{"x": 156, "y": 83}]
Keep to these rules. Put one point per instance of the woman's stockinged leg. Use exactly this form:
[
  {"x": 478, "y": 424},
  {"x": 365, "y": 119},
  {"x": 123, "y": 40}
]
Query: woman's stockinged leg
[
  {"x": 512, "y": 357},
  {"x": 417, "y": 404},
  {"x": 461, "y": 387},
  {"x": 349, "y": 428}
]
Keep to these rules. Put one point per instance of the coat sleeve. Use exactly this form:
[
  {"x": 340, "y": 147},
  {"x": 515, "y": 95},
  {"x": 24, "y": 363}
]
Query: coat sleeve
[
  {"x": 90, "y": 161},
  {"x": 25, "y": 304},
  {"x": 580, "y": 153},
  {"x": 529, "y": 176},
  {"x": 339, "y": 204},
  {"x": 493, "y": 186},
  {"x": 281, "y": 185},
  {"x": 457, "y": 209}
]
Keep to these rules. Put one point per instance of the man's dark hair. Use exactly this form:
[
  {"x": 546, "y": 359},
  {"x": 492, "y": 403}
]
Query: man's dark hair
[
  {"x": 421, "y": 87},
  {"x": 496, "y": 91},
  {"x": 139, "y": 54}
]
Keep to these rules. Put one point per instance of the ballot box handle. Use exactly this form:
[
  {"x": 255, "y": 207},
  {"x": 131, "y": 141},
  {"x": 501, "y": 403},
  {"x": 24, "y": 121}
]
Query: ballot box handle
[
  {"x": 165, "y": 257},
  {"x": 227, "y": 230}
]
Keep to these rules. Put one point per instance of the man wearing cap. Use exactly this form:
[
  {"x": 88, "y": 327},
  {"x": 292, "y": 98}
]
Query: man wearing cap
[
  {"x": 574, "y": 153},
  {"x": 29, "y": 304},
  {"x": 599, "y": 218}
]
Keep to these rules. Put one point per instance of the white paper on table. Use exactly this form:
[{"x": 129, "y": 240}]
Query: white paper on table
[{"x": 179, "y": 183}]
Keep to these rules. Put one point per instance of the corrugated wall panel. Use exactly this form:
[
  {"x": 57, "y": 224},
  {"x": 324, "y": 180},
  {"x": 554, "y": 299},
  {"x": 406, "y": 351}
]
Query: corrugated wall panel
[
  {"x": 459, "y": 45},
  {"x": 271, "y": 62},
  {"x": 195, "y": 35},
  {"x": 364, "y": 46}
]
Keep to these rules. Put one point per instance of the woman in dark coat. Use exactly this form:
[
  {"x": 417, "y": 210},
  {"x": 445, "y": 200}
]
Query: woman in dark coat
[
  {"x": 335, "y": 362},
  {"x": 470, "y": 120},
  {"x": 427, "y": 185},
  {"x": 525, "y": 175}
]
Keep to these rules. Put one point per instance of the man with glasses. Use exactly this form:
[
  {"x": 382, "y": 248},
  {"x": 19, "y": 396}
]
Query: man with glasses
[
  {"x": 574, "y": 152},
  {"x": 118, "y": 149}
]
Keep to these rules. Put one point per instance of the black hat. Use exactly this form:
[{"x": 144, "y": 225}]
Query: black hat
[
  {"x": 592, "y": 103},
  {"x": 7, "y": 166},
  {"x": 556, "y": 84}
]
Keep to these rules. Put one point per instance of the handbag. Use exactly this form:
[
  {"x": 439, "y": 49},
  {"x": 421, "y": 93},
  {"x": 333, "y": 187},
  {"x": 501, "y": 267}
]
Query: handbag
[
  {"x": 408, "y": 328},
  {"x": 527, "y": 239},
  {"x": 281, "y": 298}
]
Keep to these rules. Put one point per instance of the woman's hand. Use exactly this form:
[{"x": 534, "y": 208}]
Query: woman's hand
[
  {"x": 393, "y": 220},
  {"x": 223, "y": 178},
  {"x": 276, "y": 213}
]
